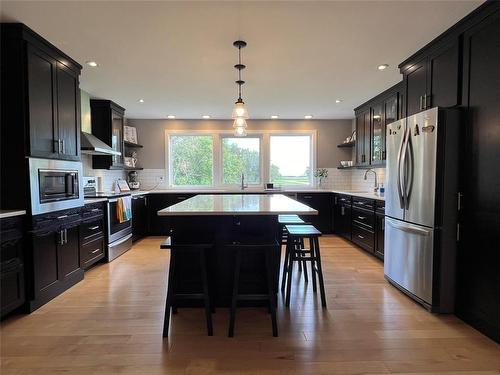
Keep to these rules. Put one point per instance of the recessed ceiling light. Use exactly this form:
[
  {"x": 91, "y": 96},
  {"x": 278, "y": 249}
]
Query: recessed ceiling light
[
  {"x": 206, "y": 117},
  {"x": 308, "y": 117},
  {"x": 338, "y": 101},
  {"x": 274, "y": 117},
  {"x": 141, "y": 100},
  {"x": 93, "y": 64},
  {"x": 383, "y": 67},
  {"x": 171, "y": 117}
]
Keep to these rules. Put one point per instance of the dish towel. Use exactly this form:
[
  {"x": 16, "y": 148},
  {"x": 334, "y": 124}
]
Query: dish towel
[{"x": 124, "y": 209}]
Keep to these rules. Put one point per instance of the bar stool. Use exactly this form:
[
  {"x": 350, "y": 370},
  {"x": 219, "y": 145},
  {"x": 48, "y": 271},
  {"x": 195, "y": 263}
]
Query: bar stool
[
  {"x": 285, "y": 220},
  {"x": 296, "y": 234},
  {"x": 172, "y": 296},
  {"x": 244, "y": 249}
]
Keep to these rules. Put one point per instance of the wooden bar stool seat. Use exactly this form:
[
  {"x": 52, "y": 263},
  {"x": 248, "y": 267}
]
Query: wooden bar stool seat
[
  {"x": 242, "y": 250},
  {"x": 173, "y": 296},
  {"x": 298, "y": 253}
]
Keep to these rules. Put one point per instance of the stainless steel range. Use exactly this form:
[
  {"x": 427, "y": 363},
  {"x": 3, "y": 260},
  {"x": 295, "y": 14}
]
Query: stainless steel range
[{"x": 119, "y": 234}]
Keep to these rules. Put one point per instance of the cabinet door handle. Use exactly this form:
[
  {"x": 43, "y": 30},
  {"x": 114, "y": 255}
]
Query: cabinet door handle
[
  {"x": 360, "y": 236},
  {"x": 95, "y": 251},
  {"x": 421, "y": 102},
  {"x": 307, "y": 196},
  {"x": 342, "y": 211},
  {"x": 57, "y": 145},
  {"x": 145, "y": 201},
  {"x": 362, "y": 217},
  {"x": 94, "y": 210},
  {"x": 65, "y": 236},
  {"x": 94, "y": 228},
  {"x": 181, "y": 198},
  {"x": 61, "y": 237},
  {"x": 62, "y": 146}
]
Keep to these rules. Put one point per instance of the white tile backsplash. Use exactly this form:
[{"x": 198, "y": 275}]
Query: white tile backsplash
[
  {"x": 360, "y": 184},
  {"x": 108, "y": 177}
]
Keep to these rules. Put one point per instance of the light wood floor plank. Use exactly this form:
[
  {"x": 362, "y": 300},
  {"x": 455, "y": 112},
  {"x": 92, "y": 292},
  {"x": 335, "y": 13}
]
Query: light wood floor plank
[{"x": 111, "y": 324}]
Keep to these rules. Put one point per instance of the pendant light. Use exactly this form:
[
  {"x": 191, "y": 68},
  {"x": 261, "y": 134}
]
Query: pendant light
[{"x": 240, "y": 113}]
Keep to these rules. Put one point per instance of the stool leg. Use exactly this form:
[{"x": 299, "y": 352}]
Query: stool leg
[
  {"x": 206, "y": 296},
  {"x": 313, "y": 269},
  {"x": 236, "y": 282},
  {"x": 170, "y": 292},
  {"x": 272, "y": 294},
  {"x": 286, "y": 262},
  {"x": 301, "y": 246},
  {"x": 320, "y": 271},
  {"x": 289, "y": 282}
]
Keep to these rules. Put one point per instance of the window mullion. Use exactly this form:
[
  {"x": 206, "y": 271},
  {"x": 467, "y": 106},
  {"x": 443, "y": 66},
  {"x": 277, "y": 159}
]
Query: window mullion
[{"x": 217, "y": 160}]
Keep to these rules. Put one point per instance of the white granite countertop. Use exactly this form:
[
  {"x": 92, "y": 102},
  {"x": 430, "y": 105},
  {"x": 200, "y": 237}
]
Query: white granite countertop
[
  {"x": 361, "y": 194},
  {"x": 94, "y": 200},
  {"x": 238, "y": 204},
  {"x": 11, "y": 213}
]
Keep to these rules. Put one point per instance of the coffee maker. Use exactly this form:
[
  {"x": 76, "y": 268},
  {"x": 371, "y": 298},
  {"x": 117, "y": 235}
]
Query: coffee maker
[{"x": 132, "y": 180}]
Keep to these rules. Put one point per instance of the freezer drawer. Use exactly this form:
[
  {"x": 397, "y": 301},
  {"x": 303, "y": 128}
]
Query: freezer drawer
[{"x": 408, "y": 259}]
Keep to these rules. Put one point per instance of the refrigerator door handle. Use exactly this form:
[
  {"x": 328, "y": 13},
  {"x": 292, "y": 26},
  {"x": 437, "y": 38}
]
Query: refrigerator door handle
[
  {"x": 409, "y": 170},
  {"x": 400, "y": 189},
  {"x": 408, "y": 228}
]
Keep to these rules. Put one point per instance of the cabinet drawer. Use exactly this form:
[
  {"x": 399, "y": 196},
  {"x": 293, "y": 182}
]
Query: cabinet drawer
[
  {"x": 91, "y": 252},
  {"x": 363, "y": 238},
  {"x": 363, "y": 218},
  {"x": 92, "y": 230},
  {"x": 367, "y": 204}
]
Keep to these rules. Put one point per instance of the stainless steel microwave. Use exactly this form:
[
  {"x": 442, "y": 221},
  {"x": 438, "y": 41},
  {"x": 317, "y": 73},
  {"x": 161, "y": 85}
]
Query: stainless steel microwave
[{"x": 55, "y": 185}]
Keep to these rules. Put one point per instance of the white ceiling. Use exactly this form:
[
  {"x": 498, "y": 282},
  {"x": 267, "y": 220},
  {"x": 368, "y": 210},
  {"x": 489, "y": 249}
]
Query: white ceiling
[{"x": 178, "y": 56}]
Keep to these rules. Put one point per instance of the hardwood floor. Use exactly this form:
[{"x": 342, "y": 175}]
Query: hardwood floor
[{"x": 111, "y": 323}]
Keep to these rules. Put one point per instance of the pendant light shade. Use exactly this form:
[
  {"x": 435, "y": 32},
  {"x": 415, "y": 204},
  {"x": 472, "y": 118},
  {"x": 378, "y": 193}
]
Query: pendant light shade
[
  {"x": 240, "y": 113},
  {"x": 239, "y": 123},
  {"x": 239, "y": 110},
  {"x": 240, "y": 131}
]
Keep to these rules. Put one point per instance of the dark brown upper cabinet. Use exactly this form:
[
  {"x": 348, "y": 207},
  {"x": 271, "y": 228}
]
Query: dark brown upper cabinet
[
  {"x": 40, "y": 97},
  {"x": 432, "y": 76},
  {"x": 371, "y": 121},
  {"x": 107, "y": 124},
  {"x": 363, "y": 136}
]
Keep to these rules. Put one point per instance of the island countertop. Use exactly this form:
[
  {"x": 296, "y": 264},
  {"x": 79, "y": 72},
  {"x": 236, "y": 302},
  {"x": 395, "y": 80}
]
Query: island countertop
[{"x": 238, "y": 204}]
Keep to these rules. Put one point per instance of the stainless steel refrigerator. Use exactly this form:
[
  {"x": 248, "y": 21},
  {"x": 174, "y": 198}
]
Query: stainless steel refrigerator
[{"x": 421, "y": 206}]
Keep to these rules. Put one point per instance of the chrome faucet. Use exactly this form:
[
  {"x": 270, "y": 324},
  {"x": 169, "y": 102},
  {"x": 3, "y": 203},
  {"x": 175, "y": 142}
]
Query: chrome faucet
[
  {"x": 375, "y": 187},
  {"x": 243, "y": 185}
]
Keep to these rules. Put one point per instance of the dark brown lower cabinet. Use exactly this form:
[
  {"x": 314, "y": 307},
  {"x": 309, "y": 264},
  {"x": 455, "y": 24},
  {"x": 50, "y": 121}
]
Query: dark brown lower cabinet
[
  {"x": 55, "y": 263},
  {"x": 139, "y": 217},
  {"x": 379, "y": 235},
  {"x": 12, "y": 289},
  {"x": 342, "y": 222},
  {"x": 322, "y": 202},
  {"x": 92, "y": 241},
  {"x": 478, "y": 276}
]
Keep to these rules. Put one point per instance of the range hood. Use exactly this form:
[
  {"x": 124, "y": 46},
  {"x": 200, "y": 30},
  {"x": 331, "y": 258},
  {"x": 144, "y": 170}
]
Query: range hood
[{"x": 90, "y": 144}]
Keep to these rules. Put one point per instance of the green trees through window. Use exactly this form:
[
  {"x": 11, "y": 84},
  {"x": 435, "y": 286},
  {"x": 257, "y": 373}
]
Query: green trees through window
[{"x": 191, "y": 160}]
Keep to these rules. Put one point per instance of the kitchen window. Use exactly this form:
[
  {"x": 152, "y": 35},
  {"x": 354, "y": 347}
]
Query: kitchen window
[
  {"x": 191, "y": 160},
  {"x": 290, "y": 160},
  {"x": 216, "y": 158},
  {"x": 241, "y": 155}
]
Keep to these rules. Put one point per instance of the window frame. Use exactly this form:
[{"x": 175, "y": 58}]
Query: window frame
[
  {"x": 312, "y": 156},
  {"x": 261, "y": 160},
  {"x": 217, "y": 162}
]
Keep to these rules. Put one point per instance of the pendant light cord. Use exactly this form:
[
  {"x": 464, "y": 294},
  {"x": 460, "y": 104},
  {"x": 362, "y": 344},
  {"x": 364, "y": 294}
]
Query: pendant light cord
[{"x": 239, "y": 73}]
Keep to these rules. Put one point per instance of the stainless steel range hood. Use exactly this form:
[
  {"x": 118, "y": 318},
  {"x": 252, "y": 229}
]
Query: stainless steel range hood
[{"x": 90, "y": 144}]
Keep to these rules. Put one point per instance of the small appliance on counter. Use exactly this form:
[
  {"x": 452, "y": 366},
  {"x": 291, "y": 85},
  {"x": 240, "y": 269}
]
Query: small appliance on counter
[{"x": 132, "y": 180}]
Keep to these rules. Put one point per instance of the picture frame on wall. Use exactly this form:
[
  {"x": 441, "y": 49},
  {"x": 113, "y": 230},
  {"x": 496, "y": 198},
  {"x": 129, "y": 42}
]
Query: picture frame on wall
[{"x": 130, "y": 134}]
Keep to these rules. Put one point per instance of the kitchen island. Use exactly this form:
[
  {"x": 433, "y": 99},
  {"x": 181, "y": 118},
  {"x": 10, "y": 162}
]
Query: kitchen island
[{"x": 225, "y": 221}]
